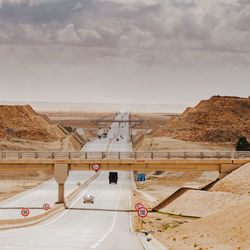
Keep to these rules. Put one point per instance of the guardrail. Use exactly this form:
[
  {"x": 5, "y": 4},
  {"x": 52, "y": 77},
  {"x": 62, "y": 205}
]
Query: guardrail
[{"x": 125, "y": 155}]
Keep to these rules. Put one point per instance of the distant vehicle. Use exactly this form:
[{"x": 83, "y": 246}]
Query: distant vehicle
[
  {"x": 100, "y": 133},
  {"x": 113, "y": 177},
  {"x": 88, "y": 198},
  {"x": 105, "y": 132}
]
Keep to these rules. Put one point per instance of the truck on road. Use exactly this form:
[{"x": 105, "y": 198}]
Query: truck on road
[{"x": 113, "y": 177}]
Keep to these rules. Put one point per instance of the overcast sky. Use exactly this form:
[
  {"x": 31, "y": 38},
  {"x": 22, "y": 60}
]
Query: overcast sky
[{"x": 124, "y": 51}]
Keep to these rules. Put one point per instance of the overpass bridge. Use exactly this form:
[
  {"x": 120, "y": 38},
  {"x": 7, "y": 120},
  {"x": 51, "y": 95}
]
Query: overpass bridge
[
  {"x": 62, "y": 162},
  {"x": 119, "y": 121}
]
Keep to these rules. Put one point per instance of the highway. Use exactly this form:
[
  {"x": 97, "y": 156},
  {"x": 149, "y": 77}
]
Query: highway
[
  {"x": 101, "y": 225},
  {"x": 36, "y": 197}
]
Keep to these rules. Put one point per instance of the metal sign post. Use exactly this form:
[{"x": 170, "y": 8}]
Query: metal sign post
[{"x": 142, "y": 212}]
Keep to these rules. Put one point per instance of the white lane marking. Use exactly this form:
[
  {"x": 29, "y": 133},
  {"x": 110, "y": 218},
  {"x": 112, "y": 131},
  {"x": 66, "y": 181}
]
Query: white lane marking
[
  {"x": 56, "y": 219},
  {"x": 113, "y": 223},
  {"x": 60, "y": 216}
]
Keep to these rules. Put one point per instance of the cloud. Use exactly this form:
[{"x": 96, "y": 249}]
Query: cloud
[
  {"x": 68, "y": 34},
  {"x": 174, "y": 32},
  {"x": 86, "y": 34}
]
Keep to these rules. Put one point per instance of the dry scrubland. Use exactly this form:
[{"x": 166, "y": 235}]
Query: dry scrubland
[
  {"x": 224, "y": 210},
  {"x": 88, "y": 122},
  {"x": 14, "y": 182}
]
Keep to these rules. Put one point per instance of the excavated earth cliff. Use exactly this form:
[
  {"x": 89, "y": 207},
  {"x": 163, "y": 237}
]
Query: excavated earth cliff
[
  {"x": 21, "y": 128},
  {"x": 219, "y": 119}
]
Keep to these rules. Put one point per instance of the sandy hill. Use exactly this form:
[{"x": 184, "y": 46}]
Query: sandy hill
[
  {"x": 219, "y": 119},
  {"x": 22, "y": 128},
  {"x": 228, "y": 229},
  {"x": 237, "y": 182}
]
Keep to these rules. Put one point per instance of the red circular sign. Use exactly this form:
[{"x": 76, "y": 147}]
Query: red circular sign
[
  {"x": 46, "y": 206},
  {"x": 142, "y": 212},
  {"x": 25, "y": 212},
  {"x": 138, "y": 206},
  {"x": 96, "y": 166}
]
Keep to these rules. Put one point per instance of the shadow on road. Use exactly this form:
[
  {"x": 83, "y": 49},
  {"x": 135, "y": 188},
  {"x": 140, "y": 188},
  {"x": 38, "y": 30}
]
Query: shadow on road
[{"x": 102, "y": 209}]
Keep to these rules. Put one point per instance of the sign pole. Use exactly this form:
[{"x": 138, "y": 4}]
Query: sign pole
[{"x": 142, "y": 212}]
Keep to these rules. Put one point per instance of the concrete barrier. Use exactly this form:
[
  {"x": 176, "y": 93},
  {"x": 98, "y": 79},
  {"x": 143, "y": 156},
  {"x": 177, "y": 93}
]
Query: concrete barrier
[
  {"x": 73, "y": 195},
  {"x": 16, "y": 223}
]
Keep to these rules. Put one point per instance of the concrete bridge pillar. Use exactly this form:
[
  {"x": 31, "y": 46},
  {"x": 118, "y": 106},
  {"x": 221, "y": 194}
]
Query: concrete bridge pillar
[{"x": 61, "y": 173}]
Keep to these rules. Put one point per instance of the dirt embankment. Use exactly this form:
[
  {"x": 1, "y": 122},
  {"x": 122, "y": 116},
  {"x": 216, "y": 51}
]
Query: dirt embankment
[
  {"x": 238, "y": 182},
  {"x": 14, "y": 182},
  {"x": 151, "y": 143},
  {"x": 224, "y": 210},
  {"x": 219, "y": 119},
  {"x": 228, "y": 229},
  {"x": 21, "y": 128}
]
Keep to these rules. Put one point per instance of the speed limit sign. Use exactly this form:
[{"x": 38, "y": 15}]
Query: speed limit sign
[
  {"x": 25, "y": 212},
  {"x": 96, "y": 166},
  {"x": 142, "y": 212},
  {"x": 46, "y": 206},
  {"x": 138, "y": 206}
]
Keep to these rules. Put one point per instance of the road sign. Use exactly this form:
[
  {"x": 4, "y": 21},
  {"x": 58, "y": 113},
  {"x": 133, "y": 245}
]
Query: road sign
[
  {"x": 25, "y": 212},
  {"x": 138, "y": 206},
  {"x": 141, "y": 176},
  {"x": 96, "y": 166},
  {"x": 46, "y": 206},
  {"x": 142, "y": 212}
]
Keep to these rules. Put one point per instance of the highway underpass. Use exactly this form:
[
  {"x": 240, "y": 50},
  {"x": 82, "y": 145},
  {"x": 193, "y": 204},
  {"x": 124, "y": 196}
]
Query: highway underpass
[{"x": 63, "y": 162}]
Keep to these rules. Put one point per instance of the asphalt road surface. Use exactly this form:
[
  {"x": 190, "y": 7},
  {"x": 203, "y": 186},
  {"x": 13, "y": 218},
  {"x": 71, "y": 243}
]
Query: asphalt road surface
[
  {"x": 102, "y": 225},
  {"x": 36, "y": 197}
]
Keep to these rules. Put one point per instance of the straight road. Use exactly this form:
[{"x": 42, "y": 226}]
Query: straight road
[{"x": 102, "y": 225}]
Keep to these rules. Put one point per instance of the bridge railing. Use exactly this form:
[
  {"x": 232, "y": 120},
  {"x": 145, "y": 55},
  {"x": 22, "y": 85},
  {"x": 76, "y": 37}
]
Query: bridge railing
[{"x": 125, "y": 155}]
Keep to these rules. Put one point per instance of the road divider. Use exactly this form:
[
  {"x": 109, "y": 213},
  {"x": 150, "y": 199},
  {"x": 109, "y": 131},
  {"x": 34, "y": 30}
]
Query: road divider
[
  {"x": 16, "y": 223},
  {"x": 24, "y": 222},
  {"x": 70, "y": 198}
]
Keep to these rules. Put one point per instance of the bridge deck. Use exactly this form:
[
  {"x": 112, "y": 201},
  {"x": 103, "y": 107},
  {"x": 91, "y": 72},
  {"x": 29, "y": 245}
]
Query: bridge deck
[
  {"x": 125, "y": 155},
  {"x": 140, "y": 161}
]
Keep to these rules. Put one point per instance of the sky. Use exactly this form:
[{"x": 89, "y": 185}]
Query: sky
[{"x": 124, "y": 51}]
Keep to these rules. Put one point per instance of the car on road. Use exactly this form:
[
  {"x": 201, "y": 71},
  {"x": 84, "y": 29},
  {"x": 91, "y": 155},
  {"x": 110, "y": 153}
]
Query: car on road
[{"x": 88, "y": 198}]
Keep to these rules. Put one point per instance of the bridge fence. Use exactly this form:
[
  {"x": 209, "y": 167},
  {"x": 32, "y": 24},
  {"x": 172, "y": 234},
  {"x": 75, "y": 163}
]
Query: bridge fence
[{"x": 137, "y": 155}]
